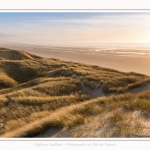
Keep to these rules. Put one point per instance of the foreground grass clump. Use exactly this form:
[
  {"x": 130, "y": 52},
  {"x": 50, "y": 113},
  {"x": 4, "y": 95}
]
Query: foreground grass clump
[
  {"x": 118, "y": 117},
  {"x": 74, "y": 115},
  {"x": 38, "y": 93}
]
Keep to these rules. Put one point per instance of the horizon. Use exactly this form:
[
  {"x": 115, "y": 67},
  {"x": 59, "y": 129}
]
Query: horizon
[{"x": 102, "y": 46}]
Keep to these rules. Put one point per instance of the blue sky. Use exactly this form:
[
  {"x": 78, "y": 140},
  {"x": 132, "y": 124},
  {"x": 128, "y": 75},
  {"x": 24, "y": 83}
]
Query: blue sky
[{"x": 74, "y": 27}]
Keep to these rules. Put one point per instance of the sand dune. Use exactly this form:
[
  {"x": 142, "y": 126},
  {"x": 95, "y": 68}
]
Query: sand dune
[{"x": 40, "y": 94}]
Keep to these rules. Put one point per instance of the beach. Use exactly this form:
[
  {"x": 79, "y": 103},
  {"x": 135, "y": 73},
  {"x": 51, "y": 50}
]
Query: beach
[{"x": 126, "y": 60}]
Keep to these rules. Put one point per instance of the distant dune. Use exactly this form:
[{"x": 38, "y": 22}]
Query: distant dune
[{"x": 49, "y": 97}]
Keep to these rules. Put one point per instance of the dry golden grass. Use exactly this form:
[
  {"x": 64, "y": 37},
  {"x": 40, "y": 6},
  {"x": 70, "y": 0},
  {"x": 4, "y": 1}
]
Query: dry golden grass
[
  {"x": 6, "y": 81},
  {"x": 38, "y": 93},
  {"x": 123, "y": 125}
]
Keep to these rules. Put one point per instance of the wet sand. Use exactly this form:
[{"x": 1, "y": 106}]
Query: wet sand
[{"x": 125, "y": 63}]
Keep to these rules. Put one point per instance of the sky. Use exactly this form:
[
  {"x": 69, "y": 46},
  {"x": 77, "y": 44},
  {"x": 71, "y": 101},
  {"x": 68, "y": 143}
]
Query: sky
[{"x": 73, "y": 28}]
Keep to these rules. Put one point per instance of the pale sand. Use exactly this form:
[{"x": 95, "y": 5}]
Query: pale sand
[{"x": 134, "y": 63}]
